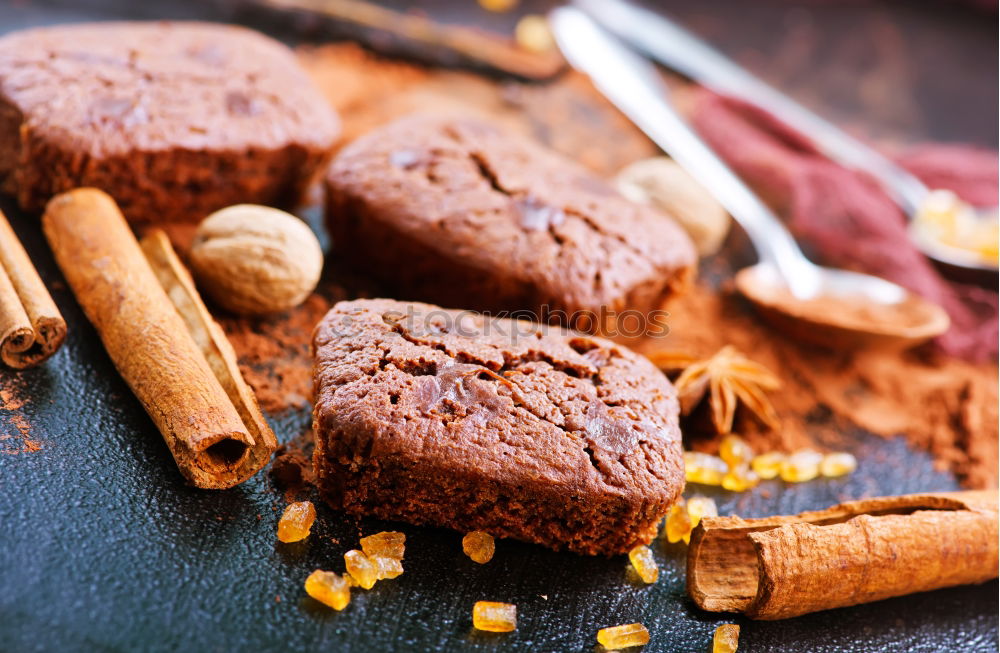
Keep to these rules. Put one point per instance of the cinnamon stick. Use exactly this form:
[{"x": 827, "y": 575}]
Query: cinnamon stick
[
  {"x": 854, "y": 552},
  {"x": 212, "y": 341},
  {"x": 31, "y": 327},
  {"x": 149, "y": 342}
]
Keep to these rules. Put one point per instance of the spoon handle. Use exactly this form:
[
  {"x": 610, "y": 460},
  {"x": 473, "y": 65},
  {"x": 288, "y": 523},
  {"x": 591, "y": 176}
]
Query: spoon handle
[
  {"x": 680, "y": 50},
  {"x": 634, "y": 86}
]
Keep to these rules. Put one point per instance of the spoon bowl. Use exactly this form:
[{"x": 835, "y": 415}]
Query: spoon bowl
[{"x": 848, "y": 309}]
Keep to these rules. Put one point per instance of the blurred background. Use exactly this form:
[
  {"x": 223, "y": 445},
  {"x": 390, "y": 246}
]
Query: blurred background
[{"x": 894, "y": 70}]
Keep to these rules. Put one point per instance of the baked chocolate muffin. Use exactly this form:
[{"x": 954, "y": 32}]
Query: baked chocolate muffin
[
  {"x": 460, "y": 213},
  {"x": 174, "y": 120},
  {"x": 448, "y": 418}
]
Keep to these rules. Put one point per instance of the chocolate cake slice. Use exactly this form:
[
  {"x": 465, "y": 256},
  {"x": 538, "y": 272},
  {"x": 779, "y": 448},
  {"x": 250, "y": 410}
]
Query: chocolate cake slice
[
  {"x": 448, "y": 418},
  {"x": 172, "y": 119},
  {"x": 491, "y": 221}
]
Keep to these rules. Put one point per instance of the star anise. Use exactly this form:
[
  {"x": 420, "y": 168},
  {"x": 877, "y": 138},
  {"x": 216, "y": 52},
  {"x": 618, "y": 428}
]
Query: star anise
[{"x": 728, "y": 378}]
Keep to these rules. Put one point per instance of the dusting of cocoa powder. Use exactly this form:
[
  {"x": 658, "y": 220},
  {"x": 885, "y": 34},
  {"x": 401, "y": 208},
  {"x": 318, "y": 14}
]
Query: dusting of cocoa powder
[
  {"x": 940, "y": 404},
  {"x": 15, "y": 430},
  {"x": 274, "y": 353}
]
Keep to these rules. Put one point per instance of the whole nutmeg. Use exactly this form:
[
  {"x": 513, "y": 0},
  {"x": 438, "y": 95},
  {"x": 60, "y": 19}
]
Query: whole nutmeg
[
  {"x": 663, "y": 184},
  {"x": 255, "y": 259}
]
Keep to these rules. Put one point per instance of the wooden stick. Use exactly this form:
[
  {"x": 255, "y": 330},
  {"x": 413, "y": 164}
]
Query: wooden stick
[
  {"x": 212, "y": 341},
  {"x": 149, "y": 342},
  {"x": 855, "y": 552},
  {"x": 416, "y": 36},
  {"x": 31, "y": 327}
]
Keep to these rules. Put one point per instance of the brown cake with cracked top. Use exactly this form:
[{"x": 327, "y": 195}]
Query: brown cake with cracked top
[
  {"x": 489, "y": 220},
  {"x": 444, "y": 417},
  {"x": 174, "y": 120}
]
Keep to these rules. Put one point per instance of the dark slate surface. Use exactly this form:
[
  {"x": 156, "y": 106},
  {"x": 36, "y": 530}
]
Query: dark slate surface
[{"x": 103, "y": 548}]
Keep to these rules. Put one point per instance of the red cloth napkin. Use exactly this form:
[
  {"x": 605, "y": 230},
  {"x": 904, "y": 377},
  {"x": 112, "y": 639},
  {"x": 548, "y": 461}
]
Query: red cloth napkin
[{"x": 846, "y": 220}]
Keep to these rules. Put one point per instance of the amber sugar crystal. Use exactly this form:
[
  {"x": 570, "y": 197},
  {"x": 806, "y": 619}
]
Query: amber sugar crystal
[
  {"x": 388, "y": 544},
  {"x": 494, "y": 617},
  {"x": 386, "y": 567},
  {"x": 532, "y": 34},
  {"x": 678, "y": 526},
  {"x": 726, "y": 639},
  {"x": 767, "y": 465},
  {"x": 479, "y": 546},
  {"x": 735, "y": 451},
  {"x": 498, "y": 5},
  {"x": 704, "y": 468},
  {"x": 642, "y": 560},
  {"x": 699, "y": 507},
  {"x": 837, "y": 464},
  {"x": 361, "y": 568},
  {"x": 296, "y": 521},
  {"x": 683, "y": 516},
  {"x": 801, "y": 466},
  {"x": 625, "y": 636},
  {"x": 740, "y": 478},
  {"x": 329, "y": 589}
]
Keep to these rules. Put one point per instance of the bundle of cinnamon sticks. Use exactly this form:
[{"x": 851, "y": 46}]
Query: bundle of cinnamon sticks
[
  {"x": 31, "y": 327},
  {"x": 161, "y": 338}
]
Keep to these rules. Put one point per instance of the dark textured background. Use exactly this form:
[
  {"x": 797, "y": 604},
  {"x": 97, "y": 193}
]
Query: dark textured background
[{"x": 103, "y": 548}]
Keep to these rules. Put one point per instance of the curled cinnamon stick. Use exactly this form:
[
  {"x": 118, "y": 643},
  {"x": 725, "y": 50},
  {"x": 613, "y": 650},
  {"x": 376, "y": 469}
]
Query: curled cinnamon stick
[
  {"x": 31, "y": 327},
  {"x": 212, "y": 341},
  {"x": 855, "y": 552},
  {"x": 149, "y": 342}
]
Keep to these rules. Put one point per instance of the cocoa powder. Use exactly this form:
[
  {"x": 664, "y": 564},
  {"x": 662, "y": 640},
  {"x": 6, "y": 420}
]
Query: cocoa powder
[
  {"x": 941, "y": 404},
  {"x": 274, "y": 353},
  {"x": 15, "y": 429}
]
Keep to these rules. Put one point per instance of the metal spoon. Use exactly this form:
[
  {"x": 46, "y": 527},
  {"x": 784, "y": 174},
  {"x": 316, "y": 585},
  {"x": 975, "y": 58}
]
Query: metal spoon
[
  {"x": 784, "y": 284},
  {"x": 682, "y": 51}
]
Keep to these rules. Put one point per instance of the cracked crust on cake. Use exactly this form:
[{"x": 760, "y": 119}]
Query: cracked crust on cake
[
  {"x": 450, "y": 418},
  {"x": 492, "y": 221}
]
